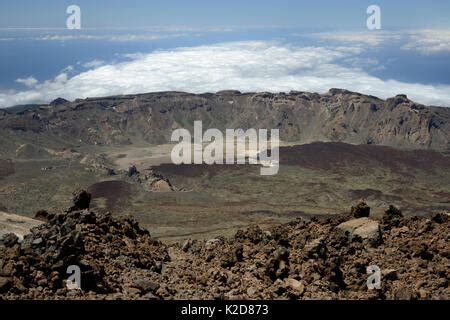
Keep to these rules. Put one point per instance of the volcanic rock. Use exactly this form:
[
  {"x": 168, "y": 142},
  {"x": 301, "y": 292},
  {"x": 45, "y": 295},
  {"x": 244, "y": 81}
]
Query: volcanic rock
[
  {"x": 104, "y": 248},
  {"x": 9, "y": 240},
  {"x": 403, "y": 294},
  {"x": 335, "y": 115},
  {"x": 392, "y": 218},
  {"x": 152, "y": 181},
  {"x": 390, "y": 274},
  {"x": 58, "y": 101},
  {"x": 297, "y": 288},
  {"x": 360, "y": 210},
  {"x": 5, "y": 284},
  {"x": 320, "y": 258},
  {"x": 81, "y": 200},
  {"x": 146, "y": 285},
  {"x": 132, "y": 171},
  {"x": 41, "y": 215},
  {"x": 362, "y": 227},
  {"x": 440, "y": 218},
  {"x": 19, "y": 225}
]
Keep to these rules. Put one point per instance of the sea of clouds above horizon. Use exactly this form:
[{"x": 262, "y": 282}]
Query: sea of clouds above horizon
[{"x": 248, "y": 66}]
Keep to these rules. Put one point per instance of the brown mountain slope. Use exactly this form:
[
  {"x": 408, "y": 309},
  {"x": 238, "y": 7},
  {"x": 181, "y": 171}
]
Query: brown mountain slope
[
  {"x": 339, "y": 116},
  {"x": 335, "y": 156}
]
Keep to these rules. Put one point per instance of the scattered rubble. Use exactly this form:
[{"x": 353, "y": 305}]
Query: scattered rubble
[
  {"x": 324, "y": 258},
  {"x": 109, "y": 251}
]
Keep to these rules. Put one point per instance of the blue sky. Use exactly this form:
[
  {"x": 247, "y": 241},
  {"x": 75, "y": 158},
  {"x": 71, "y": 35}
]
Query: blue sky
[
  {"x": 137, "y": 46},
  {"x": 342, "y": 14}
]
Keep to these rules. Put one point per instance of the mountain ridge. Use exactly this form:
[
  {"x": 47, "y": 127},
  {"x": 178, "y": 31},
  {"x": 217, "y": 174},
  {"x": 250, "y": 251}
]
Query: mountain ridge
[{"x": 302, "y": 117}]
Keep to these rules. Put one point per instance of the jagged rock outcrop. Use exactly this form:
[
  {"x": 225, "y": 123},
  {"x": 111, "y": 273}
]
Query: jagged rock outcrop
[
  {"x": 107, "y": 251},
  {"x": 338, "y": 115},
  {"x": 150, "y": 180},
  {"x": 392, "y": 218},
  {"x": 361, "y": 210},
  {"x": 81, "y": 200},
  {"x": 58, "y": 101}
]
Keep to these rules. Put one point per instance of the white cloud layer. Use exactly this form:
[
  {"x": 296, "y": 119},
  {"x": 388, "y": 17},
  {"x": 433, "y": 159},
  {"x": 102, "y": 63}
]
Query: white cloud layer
[
  {"x": 93, "y": 64},
  {"x": 245, "y": 66},
  {"x": 118, "y": 38},
  {"x": 429, "y": 41},
  {"x": 29, "y": 82},
  {"x": 423, "y": 41},
  {"x": 372, "y": 38}
]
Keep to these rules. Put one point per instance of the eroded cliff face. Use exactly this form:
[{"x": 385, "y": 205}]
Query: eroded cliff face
[{"x": 302, "y": 117}]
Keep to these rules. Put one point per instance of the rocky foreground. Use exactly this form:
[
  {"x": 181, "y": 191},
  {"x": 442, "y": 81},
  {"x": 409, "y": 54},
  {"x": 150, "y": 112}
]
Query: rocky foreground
[{"x": 316, "y": 259}]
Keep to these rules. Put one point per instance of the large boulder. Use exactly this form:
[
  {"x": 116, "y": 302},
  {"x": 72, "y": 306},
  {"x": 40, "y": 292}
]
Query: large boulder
[
  {"x": 110, "y": 252},
  {"x": 362, "y": 227},
  {"x": 41, "y": 215}
]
